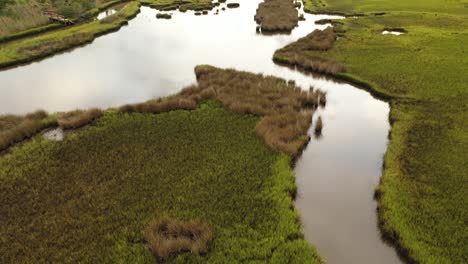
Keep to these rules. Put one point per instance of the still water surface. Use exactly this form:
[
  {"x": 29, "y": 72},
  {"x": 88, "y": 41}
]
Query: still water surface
[{"x": 337, "y": 173}]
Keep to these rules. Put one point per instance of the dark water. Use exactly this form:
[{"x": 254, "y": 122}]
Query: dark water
[{"x": 152, "y": 57}]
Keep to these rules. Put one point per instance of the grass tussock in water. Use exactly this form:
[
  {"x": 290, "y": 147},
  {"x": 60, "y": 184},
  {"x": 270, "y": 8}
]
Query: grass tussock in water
[
  {"x": 78, "y": 118},
  {"x": 169, "y": 237},
  {"x": 14, "y": 129},
  {"x": 277, "y": 15},
  {"x": 285, "y": 109},
  {"x": 320, "y": 40},
  {"x": 90, "y": 197}
]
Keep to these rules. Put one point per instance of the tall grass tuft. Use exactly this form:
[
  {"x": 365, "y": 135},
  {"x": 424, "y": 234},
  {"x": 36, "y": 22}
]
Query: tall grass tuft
[{"x": 168, "y": 237}]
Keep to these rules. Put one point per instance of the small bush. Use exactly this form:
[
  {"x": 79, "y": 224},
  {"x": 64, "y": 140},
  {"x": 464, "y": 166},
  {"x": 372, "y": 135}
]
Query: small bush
[{"x": 168, "y": 237}]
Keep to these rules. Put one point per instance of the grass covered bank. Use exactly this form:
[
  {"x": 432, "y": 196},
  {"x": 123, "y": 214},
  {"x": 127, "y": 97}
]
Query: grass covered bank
[
  {"x": 29, "y": 49},
  {"x": 423, "y": 191},
  {"x": 41, "y": 42},
  {"x": 90, "y": 197}
]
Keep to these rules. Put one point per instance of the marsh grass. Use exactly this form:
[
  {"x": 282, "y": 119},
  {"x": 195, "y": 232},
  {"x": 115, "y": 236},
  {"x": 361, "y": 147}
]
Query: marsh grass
[
  {"x": 277, "y": 16},
  {"x": 21, "y": 16},
  {"x": 286, "y": 109},
  {"x": 78, "y": 118},
  {"x": 14, "y": 128},
  {"x": 319, "y": 40},
  {"x": 168, "y": 237},
  {"x": 91, "y": 196},
  {"x": 422, "y": 203}
]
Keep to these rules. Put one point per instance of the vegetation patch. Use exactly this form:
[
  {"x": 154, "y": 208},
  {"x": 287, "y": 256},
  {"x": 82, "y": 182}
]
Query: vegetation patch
[
  {"x": 78, "y": 118},
  {"x": 169, "y": 237},
  {"x": 296, "y": 53},
  {"x": 285, "y": 109},
  {"x": 26, "y": 50},
  {"x": 277, "y": 16},
  {"x": 14, "y": 129},
  {"x": 233, "y": 5},
  {"x": 90, "y": 197},
  {"x": 163, "y": 15},
  {"x": 422, "y": 194}
]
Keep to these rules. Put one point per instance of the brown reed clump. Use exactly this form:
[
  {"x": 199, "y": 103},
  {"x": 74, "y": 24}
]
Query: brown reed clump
[
  {"x": 78, "y": 118},
  {"x": 318, "y": 126},
  {"x": 277, "y": 15},
  {"x": 14, "y": 128},
  {"x": 286, "y": 109},
  {"x": 168, "y": 237},
  {"x": 296, "y": 53}
]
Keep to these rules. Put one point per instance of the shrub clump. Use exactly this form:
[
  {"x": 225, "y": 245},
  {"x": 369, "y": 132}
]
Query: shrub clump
[
  {"x": 78, "y": 118},
  {"x": 296, "y": 53},
  {"x": 168, "y": 237},
  {"x": 277, "y": 16},
  {"x": 15, "y": 128}
]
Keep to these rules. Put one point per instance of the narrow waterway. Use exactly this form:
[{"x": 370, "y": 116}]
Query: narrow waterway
[{"x": 151, "y": 57}]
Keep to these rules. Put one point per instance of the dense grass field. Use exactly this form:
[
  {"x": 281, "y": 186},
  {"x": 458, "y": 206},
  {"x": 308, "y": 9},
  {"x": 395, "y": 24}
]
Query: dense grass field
[
  {"x": 423, "y": 192},
  {"x": 88, "y": 198}
]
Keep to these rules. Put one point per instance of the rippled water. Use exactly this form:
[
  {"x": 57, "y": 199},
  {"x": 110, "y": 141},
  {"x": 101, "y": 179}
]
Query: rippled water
[{"x": 151, "y": 57}]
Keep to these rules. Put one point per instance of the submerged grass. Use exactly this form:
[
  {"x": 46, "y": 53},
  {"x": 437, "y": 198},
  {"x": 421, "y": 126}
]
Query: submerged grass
[
  {"x": 90, "y": 197},
  {"x": 277, "y": 15},
  {"x": 423, "y": 190}
]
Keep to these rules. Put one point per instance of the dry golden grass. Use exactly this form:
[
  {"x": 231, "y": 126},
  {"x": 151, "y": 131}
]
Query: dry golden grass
[
  {"x": 168, "y": 237},
  {"x": 286, "y": 109},
  {"x": 78, "y": 118},
  {"x": 15, "y": 128},
  {"x": 317, "y": 40},
  {"x": 277, "y": 15}
]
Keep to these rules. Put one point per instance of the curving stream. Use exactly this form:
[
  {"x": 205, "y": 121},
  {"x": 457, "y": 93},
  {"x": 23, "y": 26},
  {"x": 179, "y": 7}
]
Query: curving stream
[{"x": 337, "y": 173}]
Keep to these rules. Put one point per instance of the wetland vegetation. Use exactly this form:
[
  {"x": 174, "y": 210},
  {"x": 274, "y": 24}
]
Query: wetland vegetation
[
  {"x": 95, "y": 192},
  {"x": 205, "y": 175},
  {"x": 422, "y": 195}
]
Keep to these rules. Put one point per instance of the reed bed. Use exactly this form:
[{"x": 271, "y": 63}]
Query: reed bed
[
  {"x": 277, "y": 15},
  {"x": 14, "y": 128},
  {"x": 168, "y": 237},
  {"x": 286, "y": 109},
  {"x": 78, "y": 118},
  {"x": 319, "y": 40}
]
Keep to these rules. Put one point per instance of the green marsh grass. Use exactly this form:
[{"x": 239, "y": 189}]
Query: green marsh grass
[
  {"x": 90, "y": 197},
  {"x": 422, "y": 194}
]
